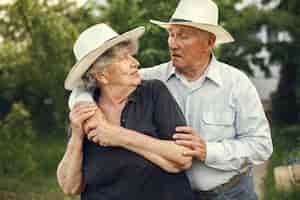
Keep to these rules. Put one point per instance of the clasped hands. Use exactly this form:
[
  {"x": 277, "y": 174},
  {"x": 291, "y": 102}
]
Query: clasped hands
[{"x": 90, "y": 119}]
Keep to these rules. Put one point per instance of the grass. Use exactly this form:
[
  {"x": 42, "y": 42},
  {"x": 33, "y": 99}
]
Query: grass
[
  {"x": 38, "y": 180},
  {"x": 286, "y": 144}
]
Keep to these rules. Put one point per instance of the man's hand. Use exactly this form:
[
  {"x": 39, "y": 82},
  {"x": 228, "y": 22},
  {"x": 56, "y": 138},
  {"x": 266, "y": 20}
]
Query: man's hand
[
  {"x": 188, "y": 137},
  {"x": 100, "y": 131}
]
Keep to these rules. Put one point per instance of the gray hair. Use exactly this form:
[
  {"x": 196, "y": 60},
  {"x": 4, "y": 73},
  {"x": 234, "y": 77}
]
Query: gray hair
[{"x": 108, "y": 57}]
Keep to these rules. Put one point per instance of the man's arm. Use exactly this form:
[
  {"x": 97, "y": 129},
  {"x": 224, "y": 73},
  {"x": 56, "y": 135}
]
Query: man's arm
[{"x": 252, "y": 143}]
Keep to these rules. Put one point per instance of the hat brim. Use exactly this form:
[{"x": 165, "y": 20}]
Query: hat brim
[
  {"x": 222, "y": 36},
  {"x": 73, "y": 78}
]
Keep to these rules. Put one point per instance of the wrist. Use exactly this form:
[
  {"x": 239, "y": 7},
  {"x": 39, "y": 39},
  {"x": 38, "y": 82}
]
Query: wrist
[
  {"x": 75, "y": 142},
  {"x": 77, "y": 135},
  {"x": 121, "y": 136},
  {"x": 76, "y": 129}
]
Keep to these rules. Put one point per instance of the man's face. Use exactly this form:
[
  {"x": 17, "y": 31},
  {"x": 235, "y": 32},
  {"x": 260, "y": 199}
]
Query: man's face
[{"x": 188, "y": 45}]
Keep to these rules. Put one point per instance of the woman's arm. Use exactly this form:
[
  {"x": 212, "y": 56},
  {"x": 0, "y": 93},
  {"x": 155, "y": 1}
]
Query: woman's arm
[
  {"x": 165, "y": 153},
  {"x": 69, "y": 171},
  {"x": 166, "y": 116},
  {"x": 162, "y": 151}
]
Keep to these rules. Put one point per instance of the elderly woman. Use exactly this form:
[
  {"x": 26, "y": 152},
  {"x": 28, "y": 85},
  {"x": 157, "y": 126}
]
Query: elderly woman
[{"x": 101, "y": 169}]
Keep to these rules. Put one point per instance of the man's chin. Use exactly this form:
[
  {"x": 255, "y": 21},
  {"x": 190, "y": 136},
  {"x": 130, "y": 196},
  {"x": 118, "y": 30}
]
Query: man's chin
[{"x": 178, "y": 65}]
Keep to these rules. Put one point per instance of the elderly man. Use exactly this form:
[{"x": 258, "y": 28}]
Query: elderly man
[{"x": 228, "y": 131}]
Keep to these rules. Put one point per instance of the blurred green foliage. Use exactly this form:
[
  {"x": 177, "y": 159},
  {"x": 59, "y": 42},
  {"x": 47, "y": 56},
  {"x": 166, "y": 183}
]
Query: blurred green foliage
[
  {"x": 286, "y": 146},
  {"x": 16, "y": 134},
  {"x": 124, "y": 15},
  {"x": 36, "y": 54},
  {"x": 284, "y": 50}
]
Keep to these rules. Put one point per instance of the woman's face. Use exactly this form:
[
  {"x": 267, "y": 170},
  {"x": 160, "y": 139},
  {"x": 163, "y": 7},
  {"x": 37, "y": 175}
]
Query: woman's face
[{"x": 123, "y": 70}]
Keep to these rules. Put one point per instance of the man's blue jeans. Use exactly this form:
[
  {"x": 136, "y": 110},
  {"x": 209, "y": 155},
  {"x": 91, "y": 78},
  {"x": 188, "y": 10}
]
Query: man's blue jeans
[{"x": 243, "y": 191}]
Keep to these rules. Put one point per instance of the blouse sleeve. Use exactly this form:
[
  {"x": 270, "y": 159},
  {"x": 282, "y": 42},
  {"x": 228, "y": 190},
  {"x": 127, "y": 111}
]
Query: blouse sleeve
[{"x": 167, "y": 113}]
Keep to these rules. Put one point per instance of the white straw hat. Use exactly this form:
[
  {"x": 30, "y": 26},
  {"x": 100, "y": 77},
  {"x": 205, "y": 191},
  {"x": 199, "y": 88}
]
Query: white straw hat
[
  {"x": 202, "y": 14},
  {"x": 92, "y": 43}
]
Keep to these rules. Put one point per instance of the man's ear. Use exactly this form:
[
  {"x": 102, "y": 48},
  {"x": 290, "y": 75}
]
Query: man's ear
[
  {"x": 100, "y": 77},
  {"x": 211, "y": 40}
]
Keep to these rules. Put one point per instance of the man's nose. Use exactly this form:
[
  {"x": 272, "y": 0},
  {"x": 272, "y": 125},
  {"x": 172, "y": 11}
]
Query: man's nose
[
  {"x": 134, "y": 62},
  {"x": 173, "y": 43}
]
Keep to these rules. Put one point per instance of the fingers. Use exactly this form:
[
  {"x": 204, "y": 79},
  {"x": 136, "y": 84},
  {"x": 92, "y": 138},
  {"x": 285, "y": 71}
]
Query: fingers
[
  {"x": 85, "y": 110},
  {"x": 185, "y": 129},
  {"x": 91, "y": 134},
  {"x": 187, "y": 137},
  {"x": 183, "y": 139},
  {"x": 93, "y": 137},
  {"x": 81, "y": 112},
  {"x": 90, "y": 124},
  {"x": 182, "y": 136},
  {"x": 189, "y": 144},
  {"x": 197, "y": 153},
  {"x": 84, "y": 103},
  {"x": 82, "y": 108},
  {"x": 79, "y": 118},
  {"x": 190, "y": 153},
  {"x": 95, "y": 140}
]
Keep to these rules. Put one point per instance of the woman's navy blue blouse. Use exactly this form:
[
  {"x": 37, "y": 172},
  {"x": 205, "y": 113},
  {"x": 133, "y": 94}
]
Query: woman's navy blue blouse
[{"x": 112, "y": 173}]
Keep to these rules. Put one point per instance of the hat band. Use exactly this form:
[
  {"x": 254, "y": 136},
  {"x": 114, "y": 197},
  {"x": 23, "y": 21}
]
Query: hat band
[{"x": 179, "y": 20}]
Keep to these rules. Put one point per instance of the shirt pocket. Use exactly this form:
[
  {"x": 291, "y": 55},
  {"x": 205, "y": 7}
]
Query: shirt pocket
[{"x": 218, "y": 125}]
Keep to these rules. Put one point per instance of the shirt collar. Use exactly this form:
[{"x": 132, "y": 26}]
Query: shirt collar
[
  {"x": 133, "y": 97},
  {"x": 212, "y": 71},
  {"x": 171, "y": 71}
]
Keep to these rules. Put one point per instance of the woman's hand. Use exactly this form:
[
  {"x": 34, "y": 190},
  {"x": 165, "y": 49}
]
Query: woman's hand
[
  {"x": 100, "y": 131},
  {"x": 81, "y": 112}
]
